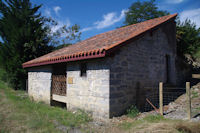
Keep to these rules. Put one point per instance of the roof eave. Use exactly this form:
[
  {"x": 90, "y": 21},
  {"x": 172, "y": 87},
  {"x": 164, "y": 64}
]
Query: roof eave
[
  {"x": 95, "y": 53},
  {"x": 67, "y": 59}
]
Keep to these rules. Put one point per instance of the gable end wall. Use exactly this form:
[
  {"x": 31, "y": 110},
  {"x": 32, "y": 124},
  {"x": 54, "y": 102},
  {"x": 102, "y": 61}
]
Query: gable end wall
[{"x": 139, "y": 65}]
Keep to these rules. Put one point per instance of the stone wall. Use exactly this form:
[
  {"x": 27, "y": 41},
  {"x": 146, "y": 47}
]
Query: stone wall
[
  {"x": 39, "y": 83},
  {"x": 114, "y": 83},
  {"x": 139, "y": 65},
  {"x": 90, "y": 92}
]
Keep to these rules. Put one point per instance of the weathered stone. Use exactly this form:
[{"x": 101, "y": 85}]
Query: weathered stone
[
  {"x": 146, "y": 67},
  {"x": 92, "y": 89},
  {"x": 114, "y": 83},
  {"x": 39, "y": 84}
]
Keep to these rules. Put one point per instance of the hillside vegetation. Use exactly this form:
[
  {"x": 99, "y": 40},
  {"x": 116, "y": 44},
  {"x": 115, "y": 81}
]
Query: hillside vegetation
[{"x": 19, "y": 114}]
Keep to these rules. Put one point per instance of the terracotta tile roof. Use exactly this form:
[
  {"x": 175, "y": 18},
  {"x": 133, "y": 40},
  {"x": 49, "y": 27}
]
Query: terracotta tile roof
[{"x": 98, "y": 45}]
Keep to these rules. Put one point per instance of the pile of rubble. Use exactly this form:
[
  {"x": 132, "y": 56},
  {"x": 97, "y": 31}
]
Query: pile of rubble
[{"x": 178, "y": 108}]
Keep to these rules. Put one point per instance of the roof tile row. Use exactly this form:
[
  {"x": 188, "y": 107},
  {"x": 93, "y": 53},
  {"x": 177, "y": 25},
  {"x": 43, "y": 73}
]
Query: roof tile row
[{"x": 98, "y": 45}]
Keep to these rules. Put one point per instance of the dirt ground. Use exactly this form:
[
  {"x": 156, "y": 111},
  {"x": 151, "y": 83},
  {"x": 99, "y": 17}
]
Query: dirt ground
[
  {"x": 174, "y": 120},
  {"x": 129, "y": 125}
]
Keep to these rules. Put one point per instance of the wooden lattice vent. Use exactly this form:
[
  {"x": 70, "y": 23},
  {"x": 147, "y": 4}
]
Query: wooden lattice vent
[{"x": 59, "y": 85}]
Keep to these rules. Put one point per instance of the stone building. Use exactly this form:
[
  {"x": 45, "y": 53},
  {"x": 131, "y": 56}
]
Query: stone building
[{"x": 107, "y": 73}]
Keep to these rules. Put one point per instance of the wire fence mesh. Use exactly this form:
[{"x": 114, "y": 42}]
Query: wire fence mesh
[{"x": 175, "y": 103}]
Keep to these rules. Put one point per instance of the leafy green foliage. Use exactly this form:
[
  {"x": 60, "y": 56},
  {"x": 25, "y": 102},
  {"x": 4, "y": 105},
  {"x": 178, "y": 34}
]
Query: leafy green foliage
[
  {"x": 64, "y": 35},
  {"x": 188, "y": 38},
  {"x": 24, "y": 38},
  {"x": 142, "y": 11},
  {"x": 132, "y": 111},
  {"x": 188, "y": 35},
  {"x": 3, "y": 75},
  {"x": 27, "y": 35}
]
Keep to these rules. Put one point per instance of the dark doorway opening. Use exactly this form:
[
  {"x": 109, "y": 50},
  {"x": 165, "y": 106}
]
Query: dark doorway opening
[
  {"x": 58, "y": 104},
  {"x": 167, "y": 63}
]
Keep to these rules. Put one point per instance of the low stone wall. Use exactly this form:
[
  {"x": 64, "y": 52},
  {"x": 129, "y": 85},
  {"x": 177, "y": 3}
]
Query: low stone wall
[
  {"x": 90, "y": 92},
  {"x": 39, "y": 83}
]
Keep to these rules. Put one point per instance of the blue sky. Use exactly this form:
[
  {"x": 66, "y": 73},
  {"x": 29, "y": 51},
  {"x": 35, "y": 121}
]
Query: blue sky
[{"x": 97, "y": 16}]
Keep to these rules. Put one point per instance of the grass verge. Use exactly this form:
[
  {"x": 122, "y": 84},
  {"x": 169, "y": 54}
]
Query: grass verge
[
  {"x": 157, "y": 123},
  {"x": 19, "y": 114},
  {"x": 147, "y": 119}
]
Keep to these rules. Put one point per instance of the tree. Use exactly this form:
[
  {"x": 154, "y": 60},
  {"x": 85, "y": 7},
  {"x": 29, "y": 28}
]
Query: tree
[
  {"x": 63, "y": 35},
  {"x": 142, "y": 11},
  {"x": 188, "y": 35},
  {"x": 25, "y": 35},
  {"x": 188, "y": 38}
]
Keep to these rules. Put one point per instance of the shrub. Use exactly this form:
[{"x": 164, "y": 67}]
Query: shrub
[{"x": 132, "y": 111}]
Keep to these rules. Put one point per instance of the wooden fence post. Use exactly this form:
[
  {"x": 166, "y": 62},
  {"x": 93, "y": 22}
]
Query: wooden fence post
[
  {"x": 161, "y": 97},
  {"x": 188, "y": 100}
]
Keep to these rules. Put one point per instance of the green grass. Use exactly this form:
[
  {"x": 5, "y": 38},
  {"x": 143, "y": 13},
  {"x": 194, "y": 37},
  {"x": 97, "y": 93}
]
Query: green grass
[
  {"x": 35, "y": 117},
  {"x": 147, "y": 119},
  {"x": 2, "y": 85},
  {"x": 194, "y": 94},
  {"x": 132, "y": 112},
  {"x": 154, "y": 118},
  {"x": 198, "y": 108},
  {"x": 157, "y": 123}
]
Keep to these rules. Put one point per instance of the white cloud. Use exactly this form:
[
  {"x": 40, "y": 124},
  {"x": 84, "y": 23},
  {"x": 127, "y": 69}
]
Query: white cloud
[
  {"x": 68, "y": 23},
  {"x": 57, "y": 9},
  {"x": 174, "y": 1},
  {"x": 193, "y": 15},
  {"x": 86, "y": 29},
  {"x": 60, "y": 24},
  {"x": 47, "y": 12},
  {"x": 108, "y": 20}
]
